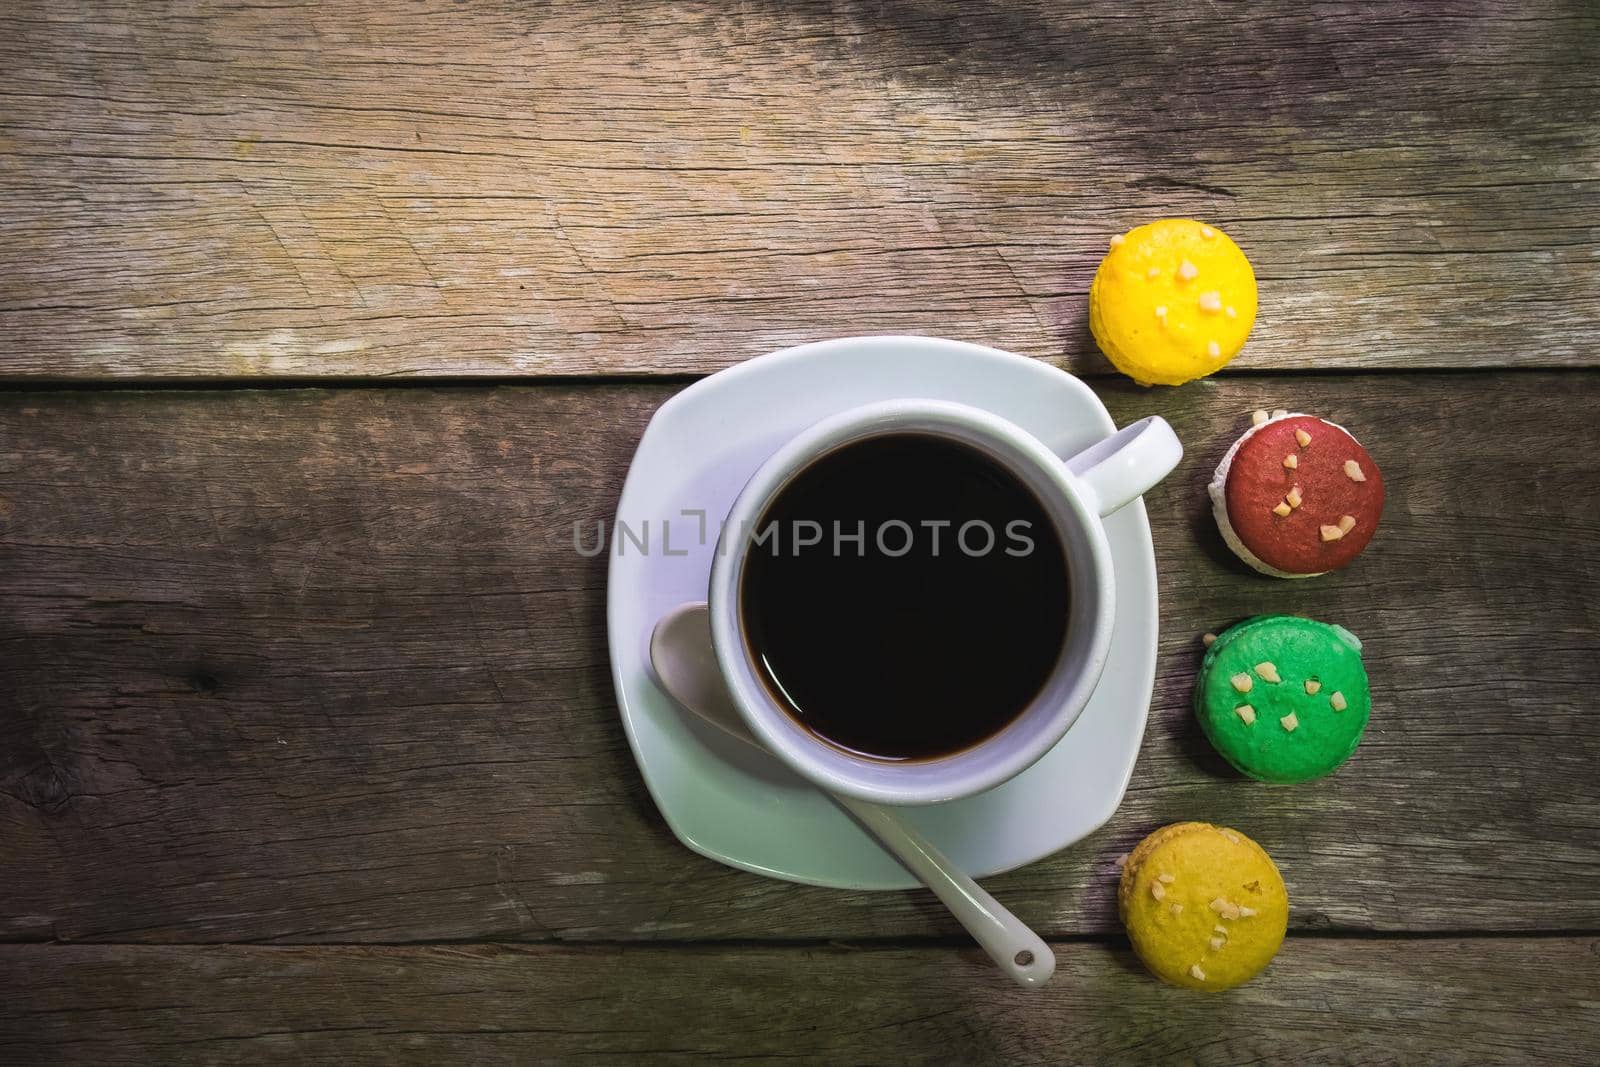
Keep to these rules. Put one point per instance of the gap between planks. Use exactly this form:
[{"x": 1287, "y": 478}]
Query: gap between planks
[{"x": 499, "y": 381}]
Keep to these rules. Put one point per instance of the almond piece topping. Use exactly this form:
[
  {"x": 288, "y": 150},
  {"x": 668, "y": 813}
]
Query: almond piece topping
[
  {"x": 1347, "y": 523},
  {"x": 1166, "y": 879},
  {"x": 1282, "y": 510},
  {"x": 1208, "y": 639},
  {"x": 1217, "y": 943},
  {"x": 1158, "y": 890},
  {"x": 1241, "y": 682},
  {"x": 1117, "y": 240},
  {"x": 1268, "y": 671},
  {"x": 1352, "y": 470},
  {"x": 1247, "y": 713},
  {"x": 1213, "y": 350},
  {"x": 1230, "y": 312},
  {"x": 1289, "y": 722},
  {"x": 1177, "y": 909},
  {"x": 1312, "y": 685},
  {"x": 1279, "y": 413},
  {"x": 1211, "y": 301},
  {"x": 1257, "y": 417},
  {"x": 1331, "y": 533},
  {"x": 1196, "y": 973},
  {"x": 1337, "y": 702},
  {"x": 1226, "y": 908},
  {"x": 1207, "y": 232},
  {"x": 1302, "y": 437},
  {"x": 1291, "y": 461},
  {"x": 1187, "y": 271},
  {"x": 1293, "y": 497},
  {"x": 1246, "y": 911}
]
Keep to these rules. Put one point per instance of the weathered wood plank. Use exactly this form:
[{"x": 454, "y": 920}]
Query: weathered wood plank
[
  {"x": 376, "y": 188},
  {"x": 1323, "y": 1001},
  {"x": 301, "y": 664}
]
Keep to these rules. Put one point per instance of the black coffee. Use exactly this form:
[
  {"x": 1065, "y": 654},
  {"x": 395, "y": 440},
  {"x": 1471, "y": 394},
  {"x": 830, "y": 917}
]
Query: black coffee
[{"x": 906, "y": 598}]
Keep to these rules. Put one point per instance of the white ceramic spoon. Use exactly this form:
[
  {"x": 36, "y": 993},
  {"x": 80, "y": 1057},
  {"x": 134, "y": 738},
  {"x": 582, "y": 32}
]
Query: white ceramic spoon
[{"x": 686, "y": 666}]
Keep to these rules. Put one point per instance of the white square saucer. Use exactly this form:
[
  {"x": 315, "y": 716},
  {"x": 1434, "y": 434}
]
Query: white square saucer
[{"x": 743, "y": 808}]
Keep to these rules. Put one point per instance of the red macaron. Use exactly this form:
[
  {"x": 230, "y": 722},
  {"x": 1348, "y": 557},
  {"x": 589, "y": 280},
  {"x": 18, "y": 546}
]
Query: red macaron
[{"x": 1297, "y": 496}]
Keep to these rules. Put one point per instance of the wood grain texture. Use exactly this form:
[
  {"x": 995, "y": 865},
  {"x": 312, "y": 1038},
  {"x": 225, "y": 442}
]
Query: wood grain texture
[
  {"x": 1324, "y": 1001},
  {"x": 380, "y": 188},
  {"x": 302, "y": 665}
]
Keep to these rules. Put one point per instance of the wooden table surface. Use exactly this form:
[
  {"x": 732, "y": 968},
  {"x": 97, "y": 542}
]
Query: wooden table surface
[{"x": 320, "y": 323}]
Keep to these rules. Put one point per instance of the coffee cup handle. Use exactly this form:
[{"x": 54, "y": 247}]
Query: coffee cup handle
[{"x": 1116, "y": 471}]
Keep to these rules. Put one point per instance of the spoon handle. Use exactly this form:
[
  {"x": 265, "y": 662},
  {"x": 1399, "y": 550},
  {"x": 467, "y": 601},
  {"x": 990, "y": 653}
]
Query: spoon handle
[
  {"x": 1015, "y": 949},
  {"x": 682, "y": 657}
]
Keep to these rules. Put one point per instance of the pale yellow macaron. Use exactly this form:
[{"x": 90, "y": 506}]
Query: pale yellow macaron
[
  {"x": 1173, "y": 300},
  {"x": 1204, "y": 906}
]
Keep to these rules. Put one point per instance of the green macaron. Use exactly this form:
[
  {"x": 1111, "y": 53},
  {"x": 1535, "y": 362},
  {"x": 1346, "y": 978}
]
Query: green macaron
[{"x": 1284, "y": 699}]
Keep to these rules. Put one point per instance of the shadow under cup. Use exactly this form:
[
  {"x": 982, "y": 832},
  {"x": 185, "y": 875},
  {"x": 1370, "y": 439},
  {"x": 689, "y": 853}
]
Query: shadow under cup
[{"x": 926, "y": 607}]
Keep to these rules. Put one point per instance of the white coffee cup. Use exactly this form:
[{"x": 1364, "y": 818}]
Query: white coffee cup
[{"x": 1075, "y": 493}]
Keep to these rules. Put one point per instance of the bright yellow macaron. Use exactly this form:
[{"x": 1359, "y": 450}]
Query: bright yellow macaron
[
  {"x": 1173, "y": 300},
  {"x": 1204, "y": 906}
]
